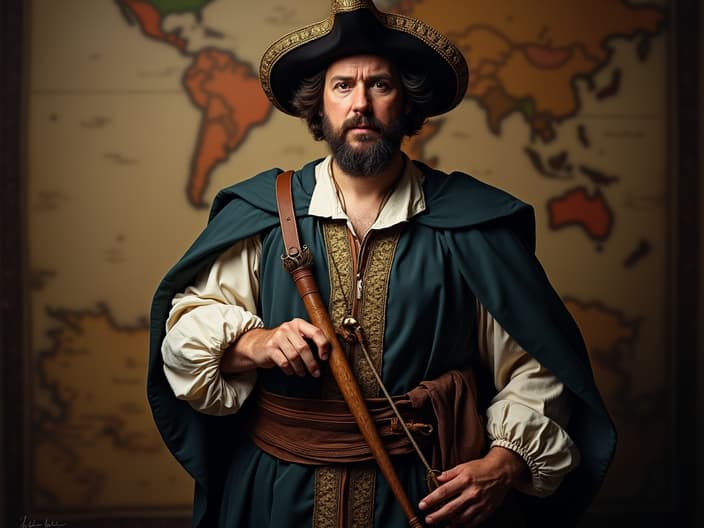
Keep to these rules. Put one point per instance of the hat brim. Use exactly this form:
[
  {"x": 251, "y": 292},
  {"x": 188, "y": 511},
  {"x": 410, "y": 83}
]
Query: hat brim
[{"x": 409, "y": 43}]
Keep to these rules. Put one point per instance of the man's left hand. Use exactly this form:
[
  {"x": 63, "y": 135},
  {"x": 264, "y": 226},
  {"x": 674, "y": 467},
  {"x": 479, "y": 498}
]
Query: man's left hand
[{"x": 470, "y": 492}]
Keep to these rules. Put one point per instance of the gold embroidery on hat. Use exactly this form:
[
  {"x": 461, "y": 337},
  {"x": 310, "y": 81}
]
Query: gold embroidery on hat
[
  {"x": 339, "y": 6},
  {"x": 282, "y": 46},
  {"x": 436, "y": 40}
]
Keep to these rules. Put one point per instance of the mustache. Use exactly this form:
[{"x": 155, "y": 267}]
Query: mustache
[{"x": 362, "y": 121}]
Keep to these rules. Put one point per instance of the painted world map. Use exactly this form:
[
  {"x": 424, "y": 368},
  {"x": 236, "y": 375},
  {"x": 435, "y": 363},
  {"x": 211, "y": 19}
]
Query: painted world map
[{"x": 152, "y": 106}]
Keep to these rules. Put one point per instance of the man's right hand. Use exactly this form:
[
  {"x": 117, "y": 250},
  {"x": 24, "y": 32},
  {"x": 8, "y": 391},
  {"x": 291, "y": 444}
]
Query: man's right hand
[{"x": 284, "y": 346}]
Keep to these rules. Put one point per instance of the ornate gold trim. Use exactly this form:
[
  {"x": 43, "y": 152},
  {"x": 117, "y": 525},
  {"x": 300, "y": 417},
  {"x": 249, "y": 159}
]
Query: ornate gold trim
[
  {"x": 340, "y": 6},
  {"x": 328, "y": 481},
  {"x": 341, "y": 288},
  {"x": 284, "y": 45},
  {"x": 361, "y": 495},
  {"x": 361, "y": 481},
  {"x": 436, "y": 40},
  {"x": 372, "y": 306}
]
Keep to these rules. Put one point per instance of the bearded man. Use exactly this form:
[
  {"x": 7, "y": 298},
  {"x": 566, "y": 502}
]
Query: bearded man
[{"x": 451, "y": 311}]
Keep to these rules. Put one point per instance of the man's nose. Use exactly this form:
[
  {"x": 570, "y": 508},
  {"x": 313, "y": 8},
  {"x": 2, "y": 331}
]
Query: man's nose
[{"x": 360, "y": 101}]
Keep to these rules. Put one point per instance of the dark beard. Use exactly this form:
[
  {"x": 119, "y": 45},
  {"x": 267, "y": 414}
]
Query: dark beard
[{"x": 372, "y": 157}]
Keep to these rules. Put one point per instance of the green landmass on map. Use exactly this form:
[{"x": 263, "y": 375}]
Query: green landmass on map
[{"x": 166, "y": 7}]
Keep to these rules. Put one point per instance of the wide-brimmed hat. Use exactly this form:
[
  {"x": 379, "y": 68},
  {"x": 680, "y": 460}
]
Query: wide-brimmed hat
[{"x": 357, "y": 27}]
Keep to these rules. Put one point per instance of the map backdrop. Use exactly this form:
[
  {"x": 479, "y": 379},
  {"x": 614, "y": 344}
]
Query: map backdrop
[{"x": 140, "y": 110}]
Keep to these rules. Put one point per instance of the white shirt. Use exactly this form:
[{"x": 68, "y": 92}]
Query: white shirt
[{"x": 527, "y": 415}]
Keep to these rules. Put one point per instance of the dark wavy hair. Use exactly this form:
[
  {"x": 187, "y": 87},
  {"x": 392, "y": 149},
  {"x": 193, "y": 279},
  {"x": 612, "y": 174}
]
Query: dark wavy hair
[{"x": 417, "y": 93}]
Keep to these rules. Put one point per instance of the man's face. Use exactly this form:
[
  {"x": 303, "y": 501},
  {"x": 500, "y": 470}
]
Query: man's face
[{"x": 362, "y": 113}]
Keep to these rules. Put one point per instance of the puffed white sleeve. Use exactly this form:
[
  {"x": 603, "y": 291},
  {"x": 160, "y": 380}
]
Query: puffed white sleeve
[
  {"x": 530, "y": 411},
  {"x": 204, "y": 321}
]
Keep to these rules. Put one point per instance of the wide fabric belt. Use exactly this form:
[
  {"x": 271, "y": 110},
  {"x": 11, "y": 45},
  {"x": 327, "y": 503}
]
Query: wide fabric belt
[
  {"x": 319, "y": 432},
  {"x": 441, "y": 414}
]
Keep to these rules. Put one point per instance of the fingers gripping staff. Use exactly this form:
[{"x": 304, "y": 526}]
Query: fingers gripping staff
[{"x": 298, "y": 260}]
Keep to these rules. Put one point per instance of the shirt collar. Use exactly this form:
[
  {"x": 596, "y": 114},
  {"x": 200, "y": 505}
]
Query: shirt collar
[{"x": 406, "y": 201}]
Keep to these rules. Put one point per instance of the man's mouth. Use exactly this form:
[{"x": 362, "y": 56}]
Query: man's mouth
[
  {"x": 362, "y": 126},
  {"x": 363, "y": 129}
]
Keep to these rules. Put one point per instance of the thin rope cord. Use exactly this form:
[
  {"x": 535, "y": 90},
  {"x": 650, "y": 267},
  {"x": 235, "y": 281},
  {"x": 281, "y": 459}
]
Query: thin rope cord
[{"x": 367, "y": 357}]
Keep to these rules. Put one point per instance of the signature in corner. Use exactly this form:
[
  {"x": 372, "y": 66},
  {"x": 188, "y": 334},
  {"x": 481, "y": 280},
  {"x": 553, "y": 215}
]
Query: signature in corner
[{"x": 26, "y": 522}]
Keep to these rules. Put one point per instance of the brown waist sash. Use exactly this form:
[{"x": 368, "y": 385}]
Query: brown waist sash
[
  {"x": 319, "y": 432},
  {"x": 442, "y": 415}
]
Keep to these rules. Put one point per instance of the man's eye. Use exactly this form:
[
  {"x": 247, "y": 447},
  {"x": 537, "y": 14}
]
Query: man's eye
[
  {"x": 382, "y": 85},
  {"x": 342, "y": 85}
]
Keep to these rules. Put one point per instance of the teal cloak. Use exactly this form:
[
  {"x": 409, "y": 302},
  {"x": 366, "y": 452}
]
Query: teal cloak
[{"x": 471, "y": 241}]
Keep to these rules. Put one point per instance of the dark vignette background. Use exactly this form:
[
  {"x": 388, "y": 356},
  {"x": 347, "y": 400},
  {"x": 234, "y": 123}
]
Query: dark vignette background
[{"x": 686, "y": 275}]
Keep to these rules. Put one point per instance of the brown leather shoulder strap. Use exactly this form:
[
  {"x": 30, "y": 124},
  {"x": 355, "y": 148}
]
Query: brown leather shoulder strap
[{"x": 287, "y": 214}]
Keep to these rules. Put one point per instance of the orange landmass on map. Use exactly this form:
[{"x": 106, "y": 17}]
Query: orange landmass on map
[
  {"x": 578, "y": 207},
  {"x": 526, "y": 59},
  {"x": 229, "y": 94},
  {"x": 150, "y": 21}
]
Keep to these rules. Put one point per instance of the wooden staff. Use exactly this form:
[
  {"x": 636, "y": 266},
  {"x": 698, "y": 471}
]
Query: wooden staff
[{"x": 298, "y": 262}]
